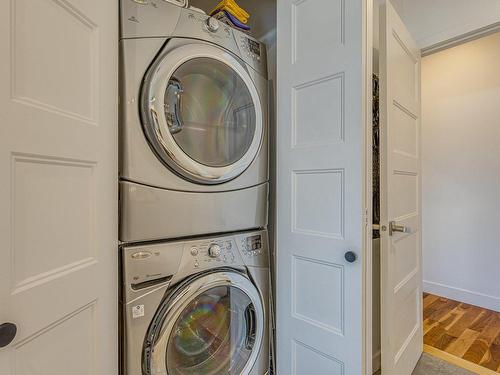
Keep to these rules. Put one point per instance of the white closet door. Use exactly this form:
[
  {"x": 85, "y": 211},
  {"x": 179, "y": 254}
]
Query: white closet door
[
  {"x": 401, "y": 266},
  {"x": 320, "y": 186},
  {"x": 58, "y": 200}
]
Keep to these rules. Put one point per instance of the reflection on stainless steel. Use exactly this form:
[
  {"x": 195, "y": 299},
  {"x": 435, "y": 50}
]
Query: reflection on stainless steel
[
  {"x": 208, "y": 334},
  {"x": 218, "y": 100},
  {"x": 211, "y": 91},
  {"x": 200, "y": 335}
]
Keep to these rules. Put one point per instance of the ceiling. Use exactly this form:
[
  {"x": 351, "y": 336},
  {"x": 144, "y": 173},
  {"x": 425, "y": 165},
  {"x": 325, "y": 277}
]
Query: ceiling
[
  {"x": 429, "y": 21},
  {"x": 434, "y": 21}
]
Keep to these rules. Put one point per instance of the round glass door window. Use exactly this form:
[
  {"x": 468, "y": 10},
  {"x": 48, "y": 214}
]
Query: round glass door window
[
  {"x": 214, "y": 334},
  {"x": 210, "y": 112},
  {"x": 202, "y": 115}
]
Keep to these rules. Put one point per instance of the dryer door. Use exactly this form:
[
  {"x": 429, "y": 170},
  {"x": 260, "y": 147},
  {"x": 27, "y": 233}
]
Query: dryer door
[
  {"x": 201, "y": 113},
  {"x": 211, "y": 325}
]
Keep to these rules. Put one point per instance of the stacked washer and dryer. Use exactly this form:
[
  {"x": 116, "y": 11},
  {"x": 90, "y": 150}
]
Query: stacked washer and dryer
[{"x": 193, "y": 186}]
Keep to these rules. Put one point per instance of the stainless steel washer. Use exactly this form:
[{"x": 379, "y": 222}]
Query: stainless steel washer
[
  {"x": 196, "y": 307},
  {"x": 194, "y": 120}
]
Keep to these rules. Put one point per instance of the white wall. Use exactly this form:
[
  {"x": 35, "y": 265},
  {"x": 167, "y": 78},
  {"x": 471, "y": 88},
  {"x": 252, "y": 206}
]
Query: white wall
[
  {"x": 461, "y": 172},
  {"x": 434, "y": 21}
]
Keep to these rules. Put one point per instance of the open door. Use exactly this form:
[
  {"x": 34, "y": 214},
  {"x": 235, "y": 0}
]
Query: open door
[
  {"x": 58, "y": 195},
  {"x": 321, "y": 219},
  {"x": 400, "y": 212}
]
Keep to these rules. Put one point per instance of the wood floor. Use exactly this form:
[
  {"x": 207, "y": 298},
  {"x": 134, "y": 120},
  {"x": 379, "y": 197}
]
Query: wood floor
[{"x": 464, "y": 331}]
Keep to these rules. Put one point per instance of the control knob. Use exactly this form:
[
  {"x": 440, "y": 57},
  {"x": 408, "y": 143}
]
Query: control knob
[
  {"x": 214, "y": 251},
  {"x": 212, "y": 24}
]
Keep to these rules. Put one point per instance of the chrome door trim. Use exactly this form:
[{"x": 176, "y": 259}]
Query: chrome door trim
[
  {"x": 156, "y": 344},
  {"x": 154, "y": 121}
]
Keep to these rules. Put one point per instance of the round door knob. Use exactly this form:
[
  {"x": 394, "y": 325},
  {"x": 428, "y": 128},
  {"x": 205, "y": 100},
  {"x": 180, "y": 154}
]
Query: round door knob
[
  {"x": 7, "y": 333},
  {"x": 214, "y": 251},
  {"x": 350, "y": 257},
  {"x": 212, "y": 24}
]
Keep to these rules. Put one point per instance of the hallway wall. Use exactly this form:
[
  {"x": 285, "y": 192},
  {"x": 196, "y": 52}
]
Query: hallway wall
[{"x": 461, "y": 172}]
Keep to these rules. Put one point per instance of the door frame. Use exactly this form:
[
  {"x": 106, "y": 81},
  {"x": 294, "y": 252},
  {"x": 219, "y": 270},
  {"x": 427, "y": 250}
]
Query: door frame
[
  {"x": 426, "y": 51},
  {"x": 368, "y": 188}
]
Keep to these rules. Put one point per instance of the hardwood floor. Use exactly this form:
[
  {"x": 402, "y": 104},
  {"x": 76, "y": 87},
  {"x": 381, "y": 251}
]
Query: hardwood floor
[{"x": 464, "y": 331}]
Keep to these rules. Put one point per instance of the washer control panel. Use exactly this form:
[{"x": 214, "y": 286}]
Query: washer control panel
[
  {"x": 251, "y": 245},
  {"x": 217, "y": 252},
  {"x": 245, "y": 249},
  {"x": 149, "y": 265}
]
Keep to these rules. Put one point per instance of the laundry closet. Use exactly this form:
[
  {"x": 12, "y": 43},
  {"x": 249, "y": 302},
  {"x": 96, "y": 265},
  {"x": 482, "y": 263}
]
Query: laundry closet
[
  {"x": 195, "y": 262},
  {"x": 348, "y": 296},
  {"x": 266, "y": 201}
]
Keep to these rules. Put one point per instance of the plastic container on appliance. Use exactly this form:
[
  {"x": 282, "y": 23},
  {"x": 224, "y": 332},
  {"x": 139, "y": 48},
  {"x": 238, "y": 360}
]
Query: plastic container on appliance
[
  {"x": 231, "y": 7},
  {"x": 231, "y": 20}
]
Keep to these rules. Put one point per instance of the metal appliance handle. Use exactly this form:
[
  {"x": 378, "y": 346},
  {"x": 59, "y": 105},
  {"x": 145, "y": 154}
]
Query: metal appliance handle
[
  {"x": 250, "y": 319},
  {"x": 173, "y": 106}
]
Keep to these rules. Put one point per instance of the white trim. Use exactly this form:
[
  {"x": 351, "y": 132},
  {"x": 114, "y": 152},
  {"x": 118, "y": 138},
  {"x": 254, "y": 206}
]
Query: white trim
[
  {"x": 377, "y": 362},
  {"x": 463, "y": 38},
  {"x": 463, "y": 295},
  {"x": 457, "y": 361},
  {"x": 367, "y": 189}
]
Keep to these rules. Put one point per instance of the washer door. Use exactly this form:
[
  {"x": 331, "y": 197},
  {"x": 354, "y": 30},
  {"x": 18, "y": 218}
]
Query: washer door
[
  {"x": 214, "y": 325},
  {"x": 201, "y": 113}
]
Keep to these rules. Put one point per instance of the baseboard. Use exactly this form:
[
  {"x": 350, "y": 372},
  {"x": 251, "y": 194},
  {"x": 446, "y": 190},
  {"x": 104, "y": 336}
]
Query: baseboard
[
  {"x": 376, "y": 362},
  {"x": 476, "y": 369},
  {"x": 462, "y": 295}
]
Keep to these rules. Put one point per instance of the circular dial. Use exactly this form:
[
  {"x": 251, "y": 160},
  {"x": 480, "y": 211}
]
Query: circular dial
[
  {"x": 214, "y": 251},
  {"x": 212, "y": 24}
]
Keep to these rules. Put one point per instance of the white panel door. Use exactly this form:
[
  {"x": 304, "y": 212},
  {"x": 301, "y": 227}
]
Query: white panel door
[
  {"x": 58, "y": 200},
  {"x": 401, "y": 266},
  {"x": 320, "y": 186}
]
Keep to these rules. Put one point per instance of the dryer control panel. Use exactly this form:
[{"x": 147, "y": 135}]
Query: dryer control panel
[
  {"x": 250, "y": 47},
  {"x": 158, "y": 18}
]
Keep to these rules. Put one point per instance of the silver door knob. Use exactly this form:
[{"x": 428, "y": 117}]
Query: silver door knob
[{"x": 393, "y": 227}]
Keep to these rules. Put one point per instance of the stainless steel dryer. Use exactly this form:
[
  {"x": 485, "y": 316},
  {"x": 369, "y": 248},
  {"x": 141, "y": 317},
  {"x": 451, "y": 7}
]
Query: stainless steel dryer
[
  {"x": 194, "y": 115},
  {"x": 196, "y": 307}
]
